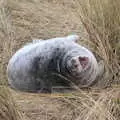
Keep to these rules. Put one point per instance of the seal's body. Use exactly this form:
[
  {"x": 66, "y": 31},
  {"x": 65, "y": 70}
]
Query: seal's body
[{"x": 56, "y": 62}]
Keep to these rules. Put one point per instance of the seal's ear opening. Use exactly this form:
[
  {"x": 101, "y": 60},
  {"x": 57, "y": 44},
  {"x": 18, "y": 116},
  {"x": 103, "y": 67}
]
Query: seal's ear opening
[{"x": 83, "y": 61}]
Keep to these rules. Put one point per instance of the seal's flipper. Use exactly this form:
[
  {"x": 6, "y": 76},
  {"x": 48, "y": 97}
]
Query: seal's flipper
[{"x": 74, "y": 38}]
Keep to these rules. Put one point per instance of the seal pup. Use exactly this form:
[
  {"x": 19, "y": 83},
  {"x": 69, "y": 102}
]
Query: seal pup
[{"x": 43, "y": 64}]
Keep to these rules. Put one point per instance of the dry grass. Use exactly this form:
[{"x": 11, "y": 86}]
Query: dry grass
[
  {"x": 21, "y": 21},
  {"x": 8, "y": 109},
  {"x": 7, "y": 36},
  {"x": 101, "y": 19},
  {"x": 82, "y": 105}
]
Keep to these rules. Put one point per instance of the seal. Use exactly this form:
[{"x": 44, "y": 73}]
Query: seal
[{"x": 44, "y": 64}]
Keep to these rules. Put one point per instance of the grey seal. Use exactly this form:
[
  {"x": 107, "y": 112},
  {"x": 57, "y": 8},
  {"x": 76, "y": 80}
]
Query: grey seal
[{"x": 44, "y": 64}]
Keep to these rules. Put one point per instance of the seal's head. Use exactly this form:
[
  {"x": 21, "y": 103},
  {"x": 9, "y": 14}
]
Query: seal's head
[{"x": 77, "y": 64}]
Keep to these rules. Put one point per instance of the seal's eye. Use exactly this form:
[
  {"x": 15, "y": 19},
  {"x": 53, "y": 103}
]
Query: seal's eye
[{"x": 75, "y": 66}]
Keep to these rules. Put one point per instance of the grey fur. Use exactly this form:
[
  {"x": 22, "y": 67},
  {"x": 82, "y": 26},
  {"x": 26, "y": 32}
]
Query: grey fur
[
  {"x": 37, "y": 41},
  {"x": 41, "y": 65}
]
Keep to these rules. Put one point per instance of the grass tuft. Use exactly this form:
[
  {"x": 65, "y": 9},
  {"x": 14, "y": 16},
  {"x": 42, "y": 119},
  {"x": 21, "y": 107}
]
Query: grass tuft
[
  {"x": 101, "y": 19},
  {"x": 8, "y": 109}
]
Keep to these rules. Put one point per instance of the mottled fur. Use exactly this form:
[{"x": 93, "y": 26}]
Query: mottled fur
[{"x": 43, "y": 64}]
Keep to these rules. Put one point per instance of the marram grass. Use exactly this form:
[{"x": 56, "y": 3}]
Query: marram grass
[
  {"x": 101, "y": 19},
  {"x": 8, "y": 109}
]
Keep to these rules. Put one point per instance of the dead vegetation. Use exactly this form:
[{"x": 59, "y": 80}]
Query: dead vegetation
[
  {"x": 101, "y": 20},
  {"x": 82, "y": 105},
  {"x": 8, "y": 108},
  {"x": 22, "y": 21}
]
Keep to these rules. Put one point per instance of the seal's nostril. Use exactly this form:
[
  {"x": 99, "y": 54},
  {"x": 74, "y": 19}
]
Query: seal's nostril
[{"x": 75, "y": 66}]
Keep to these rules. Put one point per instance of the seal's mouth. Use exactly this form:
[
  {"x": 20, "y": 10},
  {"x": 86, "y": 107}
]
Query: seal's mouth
[{"x": 83, "y": 61}]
